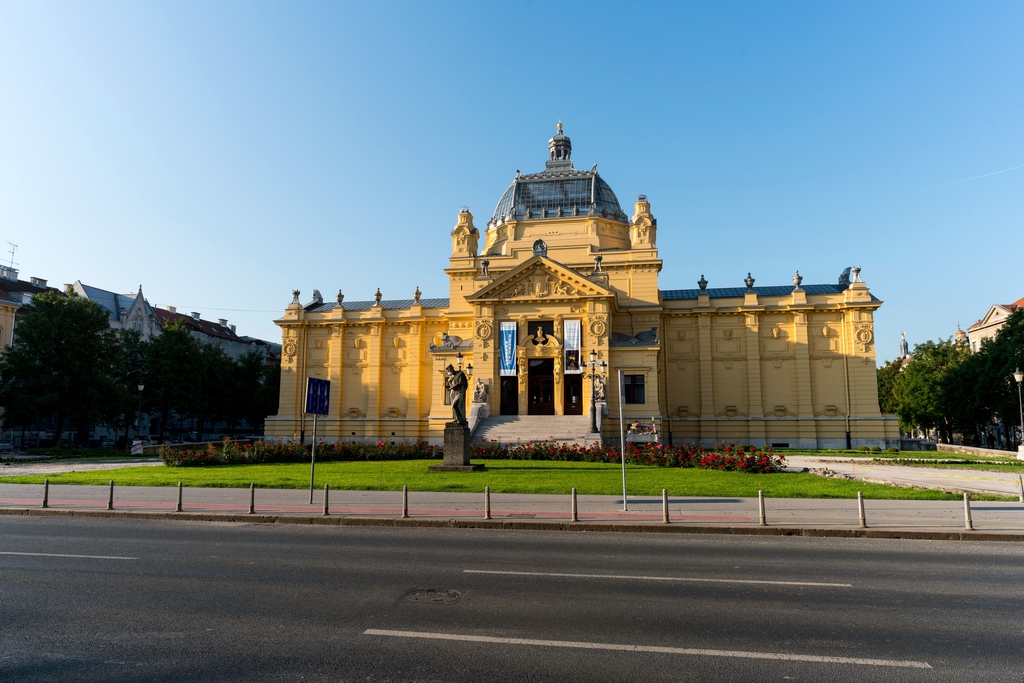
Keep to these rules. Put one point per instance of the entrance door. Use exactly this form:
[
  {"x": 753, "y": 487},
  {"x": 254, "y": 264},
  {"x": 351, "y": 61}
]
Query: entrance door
[
  {"x": 541, "y": 387},
  {"x": 573, "y": 400},
  {"x": 509, "y": 395}
]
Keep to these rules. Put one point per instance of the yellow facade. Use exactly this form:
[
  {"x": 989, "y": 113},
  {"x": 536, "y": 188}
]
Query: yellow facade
[{"x": 790, "y": 365}]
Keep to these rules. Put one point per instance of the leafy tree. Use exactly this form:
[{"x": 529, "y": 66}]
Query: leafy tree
[
  {"x": 921, "y": 389},
  {"x": 887, "y": 375},
  {"x": 61, "y": 362},
  {"x": 175, "y": 361},
  {"x": 130, "y": 368}
]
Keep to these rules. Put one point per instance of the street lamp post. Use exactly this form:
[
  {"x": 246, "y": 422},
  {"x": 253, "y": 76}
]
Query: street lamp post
[
  {"x": 592, "y": 376},
  {"x": 1019, "y": 376}
]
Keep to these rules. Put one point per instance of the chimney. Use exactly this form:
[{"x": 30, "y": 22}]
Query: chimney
[
  {"x": 232, "y": 329},
  {"x": 38, "y": 281},
  {"x": 223, "y": 322},
  {"x": 172, "y": 309},
  {"x": 195, "y": 316}
]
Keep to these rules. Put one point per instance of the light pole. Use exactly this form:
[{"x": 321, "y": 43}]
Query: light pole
[
  {"x": 138, "y": 414},
  {"x": 1019, "y": 376},
  {"x": 592, "y": 376}
]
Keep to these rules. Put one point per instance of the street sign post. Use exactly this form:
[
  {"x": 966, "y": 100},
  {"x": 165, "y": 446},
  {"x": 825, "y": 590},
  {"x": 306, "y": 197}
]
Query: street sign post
[{"x": 318, "y": 400}]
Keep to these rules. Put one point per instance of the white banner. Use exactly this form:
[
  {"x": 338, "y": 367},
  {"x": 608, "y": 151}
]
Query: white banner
[
  {"x": 507, "y": 339},
  {"x": 573, "y": 335}
]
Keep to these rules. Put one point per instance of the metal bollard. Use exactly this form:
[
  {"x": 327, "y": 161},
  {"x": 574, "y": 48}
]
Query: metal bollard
[
  {"x": 1021, "y": 484},
  {"x": 177, "y": 508},
  {"x": 110, "y": 498},
  {"x": 760, "y": 507},
  {"x": 487, "y": 502},
  {"x": 252, "y": 498},
  {"x": 574, "y": 507},
  {"x": 664, "y": 506},
  {"x": 405, "y": 502},
  {"x": 326, "y": 495},
  {"x": 46, "y": 493},
  {"x": 968, "y": 524},
  {"x": 860, "y": 507}
]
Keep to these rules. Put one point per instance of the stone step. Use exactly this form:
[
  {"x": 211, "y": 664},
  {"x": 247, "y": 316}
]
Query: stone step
[{"x": 510, "y": 429}]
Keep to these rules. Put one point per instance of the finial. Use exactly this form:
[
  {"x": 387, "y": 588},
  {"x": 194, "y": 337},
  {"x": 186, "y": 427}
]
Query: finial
[
  {"x": 856, "y": 274},
  {"x": 797, "y": 279},
  {"x": 417, "y": 294},
  {"x": 559, "y": 126},
  {"x": 340, "y": 297},
  {"x": 702, "y": 283},
  {"x": 750, "y": 282},
  {"x": 377, "y": 297}
]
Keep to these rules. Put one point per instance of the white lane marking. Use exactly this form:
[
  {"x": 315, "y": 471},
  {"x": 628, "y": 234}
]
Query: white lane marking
[
  {"x": 650, "y": 648},
  {"x": 698, "y": 579},
  {"x": 85, "y": 557}
]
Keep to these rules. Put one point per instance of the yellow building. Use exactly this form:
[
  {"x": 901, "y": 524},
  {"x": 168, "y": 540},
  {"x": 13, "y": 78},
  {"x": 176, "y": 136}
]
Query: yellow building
[{"x": 561, "y": 272}]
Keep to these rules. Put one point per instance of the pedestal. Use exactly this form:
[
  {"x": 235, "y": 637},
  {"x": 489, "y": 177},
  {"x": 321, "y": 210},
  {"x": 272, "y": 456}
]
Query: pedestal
[{"x": 456, "y": 450}]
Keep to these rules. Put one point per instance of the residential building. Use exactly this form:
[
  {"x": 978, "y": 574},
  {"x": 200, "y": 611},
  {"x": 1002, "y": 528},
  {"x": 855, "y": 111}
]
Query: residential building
[{"x": 989, "y": 326}]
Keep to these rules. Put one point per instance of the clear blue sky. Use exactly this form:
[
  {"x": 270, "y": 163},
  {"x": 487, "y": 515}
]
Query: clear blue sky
[{"x": 222, "y": 154}]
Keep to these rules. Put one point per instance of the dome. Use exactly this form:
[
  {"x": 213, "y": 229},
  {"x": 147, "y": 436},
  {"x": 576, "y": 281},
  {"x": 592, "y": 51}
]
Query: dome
[{"x": 559, "y": 190}]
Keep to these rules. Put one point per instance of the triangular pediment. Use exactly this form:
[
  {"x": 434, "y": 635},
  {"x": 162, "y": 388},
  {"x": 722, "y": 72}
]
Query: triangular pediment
[
  {"x": 994, "y": 314},
  {"x": 540, "y": 278}
]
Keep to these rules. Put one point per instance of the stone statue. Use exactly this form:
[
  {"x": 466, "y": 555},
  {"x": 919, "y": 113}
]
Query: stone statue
[
  {"x": 480, "y": 391},
  {"x": 540, "y": 337},
  {"x": 599, "y": 388},
  {"x": 457, "y": 383}
]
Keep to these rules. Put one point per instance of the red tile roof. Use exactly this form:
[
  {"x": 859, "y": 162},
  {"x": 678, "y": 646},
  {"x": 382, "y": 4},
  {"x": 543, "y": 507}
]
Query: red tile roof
[
  {"x": 164, "y": 317},
  {"x": 1019, "y": 303}
]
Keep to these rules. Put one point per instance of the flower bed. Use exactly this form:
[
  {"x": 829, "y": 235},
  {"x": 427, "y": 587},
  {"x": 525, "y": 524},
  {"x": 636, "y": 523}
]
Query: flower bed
[{"x": 722, "y": 457}]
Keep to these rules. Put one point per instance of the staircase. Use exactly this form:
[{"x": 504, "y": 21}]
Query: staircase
[{"x": 511, "y": 429}]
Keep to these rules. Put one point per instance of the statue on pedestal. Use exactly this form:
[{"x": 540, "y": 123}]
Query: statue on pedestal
[{"x": 457, "y": 383}]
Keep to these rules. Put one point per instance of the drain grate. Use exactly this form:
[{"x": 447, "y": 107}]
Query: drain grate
[
  {"x": 433, "y": 596},
  {"x": 522, "y": 515}
]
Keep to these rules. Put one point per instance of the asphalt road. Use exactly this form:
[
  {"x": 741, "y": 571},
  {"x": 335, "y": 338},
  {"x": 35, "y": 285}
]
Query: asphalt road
[{"x": 120, "y": 600}]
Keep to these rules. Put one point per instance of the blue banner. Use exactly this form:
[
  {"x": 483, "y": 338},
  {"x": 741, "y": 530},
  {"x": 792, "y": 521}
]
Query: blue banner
[{"x": 507, "y": 339}]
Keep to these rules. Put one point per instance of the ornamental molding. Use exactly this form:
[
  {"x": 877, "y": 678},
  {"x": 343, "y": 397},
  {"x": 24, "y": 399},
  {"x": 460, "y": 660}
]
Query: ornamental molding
[{"x": 539, "y": 278}]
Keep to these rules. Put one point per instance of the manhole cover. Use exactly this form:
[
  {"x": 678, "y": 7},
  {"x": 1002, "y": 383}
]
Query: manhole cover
[{"x": 435, "y": 596}]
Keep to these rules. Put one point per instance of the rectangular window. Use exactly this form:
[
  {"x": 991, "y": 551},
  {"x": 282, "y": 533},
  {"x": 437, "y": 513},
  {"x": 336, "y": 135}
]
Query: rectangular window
[{"x": 634, "y": 388}]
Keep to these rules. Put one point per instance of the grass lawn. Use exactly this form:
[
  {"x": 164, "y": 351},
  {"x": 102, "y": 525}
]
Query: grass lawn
[{"x": 503, "y": 476}]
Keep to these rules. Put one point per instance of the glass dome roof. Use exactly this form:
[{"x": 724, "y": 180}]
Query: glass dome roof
[{"x": 559, "y": 190}]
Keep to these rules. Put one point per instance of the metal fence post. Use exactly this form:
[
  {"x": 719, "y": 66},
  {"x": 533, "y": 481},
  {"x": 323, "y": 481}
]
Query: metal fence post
[
  {"x": 327, "y": 489},
  {"x": 110, "y": 497},
  {"x": 487, "y": 502},
  {"x": 574, "y": 506},
  {"x": 177, "y": 508},
  {"x": 252, "y": 498},
  {"x": 1020, "y": 483},
  {"x": 760, "y": 508},
  {"x": 664, "y": 506},
  {"x": 860, "y": 508},
  {"x": 968, "y": 524},
  {"x": 405, "y": 502},
  {"x": 46, "y": 493}
]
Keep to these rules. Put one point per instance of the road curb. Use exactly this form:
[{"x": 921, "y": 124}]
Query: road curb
[{"x": 528, "y": 525}]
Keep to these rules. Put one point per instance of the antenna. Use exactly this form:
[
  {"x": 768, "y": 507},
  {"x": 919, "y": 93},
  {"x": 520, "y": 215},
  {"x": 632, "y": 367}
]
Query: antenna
[{"x": 13, "y": 248}]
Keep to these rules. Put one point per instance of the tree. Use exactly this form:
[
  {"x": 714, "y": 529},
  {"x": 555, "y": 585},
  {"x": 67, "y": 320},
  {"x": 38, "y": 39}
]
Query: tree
[
  {"x": 130, "y": 369},
  {"x": 887, "y": 375},
  {"x": 61, "y": 363},
  {"x": 175, "y": 360},
  {"x": 921, "y": 391}
]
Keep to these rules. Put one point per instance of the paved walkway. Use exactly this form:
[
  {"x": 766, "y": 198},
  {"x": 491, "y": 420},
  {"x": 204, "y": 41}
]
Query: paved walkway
[
  {"x": 810, "y": 513},
  {"x": 18, "y": 469},
  {"x": 977, "y": 481}
]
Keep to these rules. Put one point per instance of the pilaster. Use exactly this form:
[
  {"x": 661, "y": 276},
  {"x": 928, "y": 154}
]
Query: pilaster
[
  {"x": 805, "y": 403},
  {"x": 708, "y": 429},
  {"x": 754, "y": 377}
]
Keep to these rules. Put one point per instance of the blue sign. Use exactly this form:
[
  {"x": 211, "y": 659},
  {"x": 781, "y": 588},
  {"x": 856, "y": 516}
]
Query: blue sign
[
  {"x": 507, "y": 340},
  {"x": 318, "y": 396}
]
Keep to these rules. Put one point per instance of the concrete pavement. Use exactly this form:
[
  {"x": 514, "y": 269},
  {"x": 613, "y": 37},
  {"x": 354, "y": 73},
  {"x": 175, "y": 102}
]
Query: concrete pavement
[
  {"x": 805, "y": 513},
  {"x": 976, "y": 481}
]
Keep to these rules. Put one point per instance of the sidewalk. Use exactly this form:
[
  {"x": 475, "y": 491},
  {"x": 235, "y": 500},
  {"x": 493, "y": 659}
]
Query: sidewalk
[{"x": 723, "y": 514}]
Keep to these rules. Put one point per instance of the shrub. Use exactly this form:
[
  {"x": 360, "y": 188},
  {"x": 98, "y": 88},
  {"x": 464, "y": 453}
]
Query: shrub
[
  {"x": 721, "y": 457},
  {"x": 876, "y": 449},
  {"x": 892, "y": 450}
]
